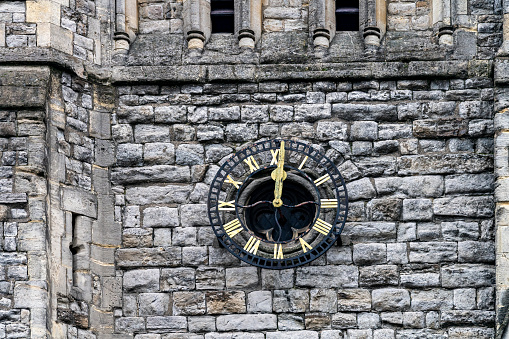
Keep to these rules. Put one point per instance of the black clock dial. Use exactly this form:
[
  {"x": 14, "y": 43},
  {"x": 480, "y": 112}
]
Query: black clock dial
[{"x": 278, "y": 204}]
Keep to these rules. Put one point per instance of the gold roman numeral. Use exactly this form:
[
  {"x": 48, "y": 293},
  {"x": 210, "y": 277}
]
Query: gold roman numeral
[
  {"x": 253, "y": 166},
  {"x": 303, "y": 162},
  {"x": 305, "y": 245},
  {"x": 274, "y": 156},
  {"x": 226, "y": 205},
  {"x": 278, "y": 251},
  {"x": 322, "y": 180},
  {"x": 252, "y": 245},
  {"x": 322, "y": 226},
  {"x": 328, "y": 203},
  {"x": 233, "y": 228},
  {"x": 232, "y": 181}
]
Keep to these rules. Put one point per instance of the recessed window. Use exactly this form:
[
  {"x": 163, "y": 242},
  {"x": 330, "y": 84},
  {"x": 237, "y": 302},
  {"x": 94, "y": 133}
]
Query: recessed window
[
  {"x": 347, "y": 15},
  {"x": 222, "y": 16}
]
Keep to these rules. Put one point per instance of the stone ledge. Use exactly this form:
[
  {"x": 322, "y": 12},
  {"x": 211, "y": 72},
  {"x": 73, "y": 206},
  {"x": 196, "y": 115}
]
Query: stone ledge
[
  {"x": 291, "y": 72},
  {"x": 253, "y": 72}
]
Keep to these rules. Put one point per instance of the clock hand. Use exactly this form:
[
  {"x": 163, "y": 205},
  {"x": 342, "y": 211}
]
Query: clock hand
[{"x": 278, "y": 175}]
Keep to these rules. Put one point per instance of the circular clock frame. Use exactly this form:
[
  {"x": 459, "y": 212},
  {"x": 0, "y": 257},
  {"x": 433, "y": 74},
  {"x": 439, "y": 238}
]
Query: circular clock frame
[{"x": 252, "y": 165}]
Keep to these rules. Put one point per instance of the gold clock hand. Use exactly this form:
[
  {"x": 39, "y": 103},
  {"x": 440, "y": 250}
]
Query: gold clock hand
[{"x": 278, "y": 175}]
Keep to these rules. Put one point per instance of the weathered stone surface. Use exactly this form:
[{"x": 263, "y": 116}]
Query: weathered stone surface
[
  {"x": 378, "y": 275},
  {"x": 370, "y": 231},
  {"x": 143, "y": 257},
  {"x": 294, "y": 301},
  {"x": 371, "y": 253},
  {"x": 482, "y": 206},
  {"x": 467, "y": 275},
  {"x": 226, "y": 302},
  {"x": 188, "y": 303},
  {"x": 412, "y": 187},
  {"x": 141, "y": 280},
  {"x": 259, "y": 302},
  {"x": 160, "y": 216},
  {"x": 153, "y": 304},
  {"x": 143, "y": 195},
  {"x": 391, "y": 299},
  {"x": 433, "y": 252},
  {"x": 169, "y": 323},
  {"x": 444, "y": 164},
  {"x": 440, "y": 128},
  {"x": 476, "y": 252},
  {"x": 355, "y": 112},
  {"x": 242, "y": 277},
  {"x": 247, "y": 322},
  {"x": 354, "y": 300},
  {"x": 434, "y": 299},
  {"x": 336, "y": 276}
]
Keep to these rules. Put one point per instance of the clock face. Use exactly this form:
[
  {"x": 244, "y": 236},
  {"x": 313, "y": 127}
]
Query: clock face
[{"x": 278, "y": 204}]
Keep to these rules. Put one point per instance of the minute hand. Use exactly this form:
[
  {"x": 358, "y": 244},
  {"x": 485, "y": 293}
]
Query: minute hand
[{"x": 278, "y": 175}]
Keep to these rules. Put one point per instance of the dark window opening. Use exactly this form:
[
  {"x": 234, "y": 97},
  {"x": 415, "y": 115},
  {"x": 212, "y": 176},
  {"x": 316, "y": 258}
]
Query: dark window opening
[
  {"x": 347, "y": 15},
  {"x": 222, "y": 16}
]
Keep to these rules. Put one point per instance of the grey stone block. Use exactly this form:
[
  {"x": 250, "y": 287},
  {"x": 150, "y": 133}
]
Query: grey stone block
[
  {"x": 79, "y": 201},
  {"x": 417, "y": 209},
  {"x": 224, "y": 113},
  {"x": 475, "y": 206},
  {"x": 160, "y": 216},
  {"x": 246, "y": 322},
  {"x": 189, "y": 154},
  {"x": 467, "y": 275},
  {"x": 370, "y": 231},
  {"x": 170, "y": 114},
  {"x": 371, "y": 253},
  {"x": 331, "y": 130},
  {"x": 146, "y": 174},
  {"x": 242, "y": 278},
  {"x": 432, "y": 252},
  {"x": 241, "y": 132},
  {"x": 168, "y": 323},
  {"x": 476, "y": 252},
  {"x": 145, "y": 257},
  {"x": 294, "y": 301},
  {"x": 360, "y": 189},
  {"x": 354, "y": 300},
  {"x": 143, "y": 195},
  {"x": 312, "y": 112},
  {"x": 337, "y": 276},
  {"x": 364, "y": 130},
  {"x": 159, "y": 153},
  {"x": 417, "y": 280},
  {"x": 391, "y": 299},
  {"x": 259, "y": 302},
  {"x": 188, "y": 303},
  {"x": 292, "y": 335},
  {"x": 379, "y": 275}
]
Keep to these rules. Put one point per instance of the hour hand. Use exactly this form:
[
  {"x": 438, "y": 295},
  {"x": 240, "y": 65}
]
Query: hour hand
[{"x": 278, "y": 175}]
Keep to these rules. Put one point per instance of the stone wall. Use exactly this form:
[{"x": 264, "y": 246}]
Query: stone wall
[
  {"x": 83, "y": 234},
  {"x": 71, "y": 27},
  {"x": 23, "y": 258},
  {"x": 105, "y": 168},
  {"x": 417, "y": 253}
]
